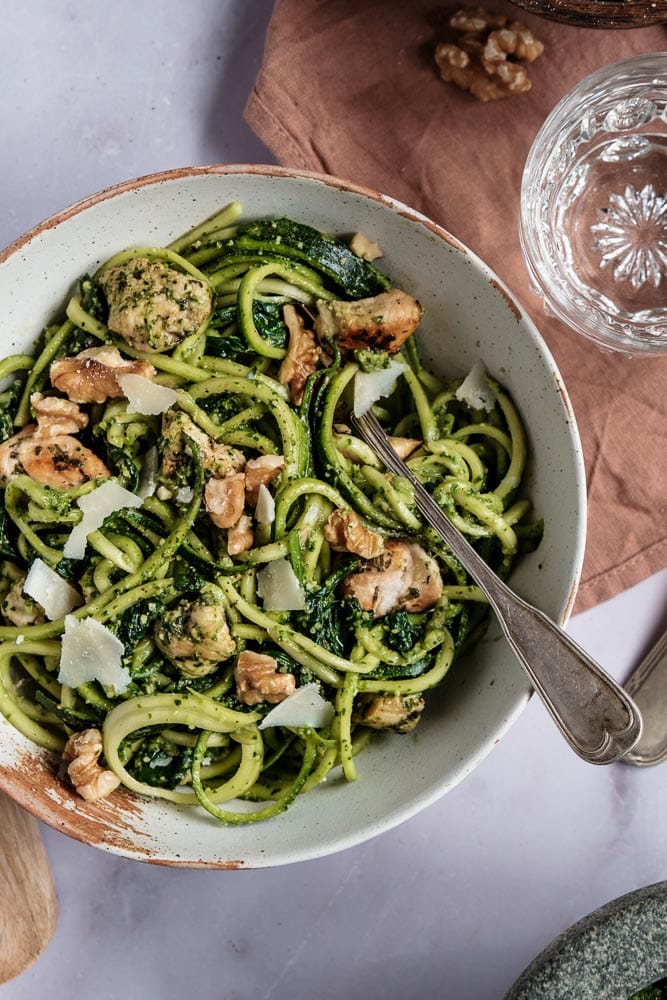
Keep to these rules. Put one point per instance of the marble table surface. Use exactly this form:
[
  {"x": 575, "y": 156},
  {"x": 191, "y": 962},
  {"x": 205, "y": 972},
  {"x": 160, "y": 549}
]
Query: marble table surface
[{"x": 456, "y": 901}]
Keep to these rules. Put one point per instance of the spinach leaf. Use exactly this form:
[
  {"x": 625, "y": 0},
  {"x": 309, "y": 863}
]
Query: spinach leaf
[
  {"x": 329, "y": 619},
  {"x": 402, "y": 630},
  {"x": 91, "y": 299},
  {"x": 159, "y": 763},
  {"x": 268, "y": 317}
]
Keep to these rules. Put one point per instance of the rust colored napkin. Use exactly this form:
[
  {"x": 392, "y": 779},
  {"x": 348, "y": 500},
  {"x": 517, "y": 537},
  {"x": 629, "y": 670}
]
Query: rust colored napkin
[{"x": 349, "y": 87}]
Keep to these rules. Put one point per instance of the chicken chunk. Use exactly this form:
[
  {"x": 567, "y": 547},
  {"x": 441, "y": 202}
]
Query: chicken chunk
[
  {"x": 224, "y": 499},
  {"x": 257, "y": 679},
  {"x": 57, "y": 416},
  {"x": 218, "y": 459},
  {"x": 152, "y": 305},
  {"x": 302, "y": 357},
  {"x": 400, "y": 713},
  {"x": 91, "y": 781},
  {"x": 240, "y": 536},
  {"x": 52, "y": 460},
  {"x": 195, "y": 636},
  {"x": 363, "y": 247},
  {"x": 260, "y": 472},
  {"x": 383, "y": 322},
  {"x": 404, "y": 576},
  {"x": 19, "y": 609},
  {"x": 92, "y": 375},
  {"x": 345, "y": 533}
]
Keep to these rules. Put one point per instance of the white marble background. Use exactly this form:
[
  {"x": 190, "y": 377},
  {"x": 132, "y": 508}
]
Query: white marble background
[{"x": 455, "y": 902}]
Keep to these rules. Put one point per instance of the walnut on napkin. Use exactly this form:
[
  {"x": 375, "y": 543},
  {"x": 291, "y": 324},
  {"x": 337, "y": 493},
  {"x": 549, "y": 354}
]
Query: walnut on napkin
[{"x": 489, "y": 54}]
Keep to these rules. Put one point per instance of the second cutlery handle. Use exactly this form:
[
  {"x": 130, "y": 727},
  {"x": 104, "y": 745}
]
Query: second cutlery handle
[{"x": 594, "y": 713}]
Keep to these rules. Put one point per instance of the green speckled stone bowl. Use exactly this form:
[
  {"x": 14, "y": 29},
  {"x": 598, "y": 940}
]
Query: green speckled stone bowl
[{"x": 610, "y": 954}]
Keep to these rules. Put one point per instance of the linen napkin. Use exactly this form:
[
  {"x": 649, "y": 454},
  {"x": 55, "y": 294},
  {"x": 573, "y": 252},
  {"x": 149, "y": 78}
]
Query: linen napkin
[{"x": 350, "y": 88}]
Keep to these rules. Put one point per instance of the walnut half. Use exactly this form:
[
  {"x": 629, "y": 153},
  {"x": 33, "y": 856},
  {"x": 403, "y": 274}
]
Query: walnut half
[
  {"x": 91, "y": 781},
  {"x": 487, "y": 56}
]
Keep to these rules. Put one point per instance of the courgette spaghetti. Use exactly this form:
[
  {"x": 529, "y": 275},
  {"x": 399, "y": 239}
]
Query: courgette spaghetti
[{"x": 268, "y": 593}]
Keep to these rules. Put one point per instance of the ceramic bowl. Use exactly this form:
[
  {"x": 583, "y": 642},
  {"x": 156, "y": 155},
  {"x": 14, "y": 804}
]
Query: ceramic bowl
[{"x": 468, "y": 315}]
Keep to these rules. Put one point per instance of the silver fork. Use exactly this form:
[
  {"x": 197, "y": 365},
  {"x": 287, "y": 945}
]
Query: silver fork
[{"x": 595, "y": 715}]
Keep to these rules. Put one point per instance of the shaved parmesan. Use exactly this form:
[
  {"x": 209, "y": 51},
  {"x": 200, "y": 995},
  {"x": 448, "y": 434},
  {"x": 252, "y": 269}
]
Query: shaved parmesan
[
  {"x": 184, "y": 494},
  {"x": 265, "y": 508},
  {"x": 49, "y": 589},
  {"x": 279, "y": 588},
  {"x": 147, "y": 483},
  {"x": 304, "y": 708},
  {"x": 371, "y": 386},
  {"x": 145, "y": 396},
  {"x": 96, "y": 506},
  {"x": 90, "y": 652},
  {"x": 475, "y": 389}
]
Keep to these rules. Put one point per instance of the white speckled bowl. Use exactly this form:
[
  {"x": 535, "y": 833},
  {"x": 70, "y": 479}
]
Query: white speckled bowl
[{"x": 468, "y": 315}]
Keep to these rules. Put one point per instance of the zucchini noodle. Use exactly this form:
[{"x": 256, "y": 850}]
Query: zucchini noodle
[{"x": 264, "y": 554}]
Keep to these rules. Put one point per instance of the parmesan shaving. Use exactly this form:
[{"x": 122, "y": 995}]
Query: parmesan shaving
[
  {"x": 279, "y": 588},
  {"x": 145, "y": 396},
  {"x": 96, "y": 506},
  {"x": 147, "y": 481},
  {"x": 265, "y": 508},
  {"x": 304, "y": 708},
  {"x": 90, "y": 652},
  {"x": 48, "y": 588},
  {"x": 371, "y": 386},
  {"x": 475, "y": 389}
]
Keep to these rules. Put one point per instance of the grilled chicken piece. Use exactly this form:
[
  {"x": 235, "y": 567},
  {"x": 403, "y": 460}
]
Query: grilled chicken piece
[
  {"x": 400, "y": 713},
  {"x": 20, "y": 609},
  {"x": 404, "y": 576},
  {"x": 218, "y": 459},
  {"x": 57, "y": 416},
  {"x": 345, "y": 533},
  {"x": 152, "y": 305},
  {"x": 195, "y": 636},
  {"x": 302, "y": 357},
  {"x": 382, "y": 323},
  {"x": 257, "y": 679},
  {"x": 57, "y": 460},
  {"x": 92, "y": 375},
  {"x": 260, "y": 472},
  {"x": 91, "y": 781},
  {"x": 224, "y": 499}
]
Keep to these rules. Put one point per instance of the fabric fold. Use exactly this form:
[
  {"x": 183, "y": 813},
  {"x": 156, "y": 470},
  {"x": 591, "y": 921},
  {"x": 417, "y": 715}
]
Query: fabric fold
[{"x": 350, "y": 88}]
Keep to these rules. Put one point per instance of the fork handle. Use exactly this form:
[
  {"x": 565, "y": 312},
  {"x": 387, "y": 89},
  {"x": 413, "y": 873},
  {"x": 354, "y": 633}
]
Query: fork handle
[{"x": 595, "y": 715}]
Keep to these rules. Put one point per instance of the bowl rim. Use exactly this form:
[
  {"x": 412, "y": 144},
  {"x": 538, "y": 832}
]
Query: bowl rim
[{"x": 66, "y": 821}]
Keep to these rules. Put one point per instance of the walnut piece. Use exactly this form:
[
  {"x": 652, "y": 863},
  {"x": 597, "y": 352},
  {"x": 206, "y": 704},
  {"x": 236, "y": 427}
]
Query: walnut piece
[
  {"x": 302, "y": 356},
  {"x": 345, "y": 533},
  {"x": 57, "y": 416},
  {"x": 257, "y": 679},
  {"x": 224, "y": 499},
  {"x": 91, "y": 781},
  {"x": 240, "y": 537},
  {"x": 92, "y": 375},
  {"x": 260, "y": 472},
  {"x": 489, "y": 55}
]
